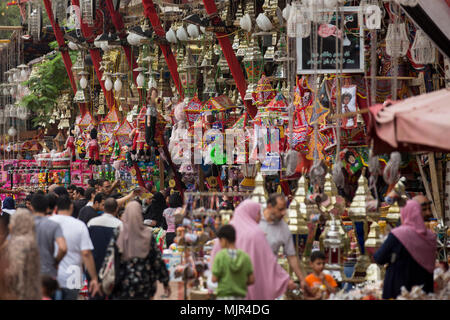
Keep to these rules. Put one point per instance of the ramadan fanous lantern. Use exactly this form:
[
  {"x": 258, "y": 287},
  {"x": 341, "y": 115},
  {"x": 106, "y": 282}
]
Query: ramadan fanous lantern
[
  {"x": 333, "y": 245},
  {"x": 259, "y": 194}
]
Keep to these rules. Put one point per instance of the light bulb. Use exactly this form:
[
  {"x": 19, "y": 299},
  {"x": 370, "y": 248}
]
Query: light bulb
[
  {"x": 108, "y": 84},
  {"x": 14, "y": 77},
  {"x": 118, "y": 85},
  {"x": 12, "y": 91},
  {"x": 10, "y": 79},
  {"x": 12, "y": 132},
  {"x": 5, "y": 91},
  {"x": 193, "y": 31},
  {"x": 140, "y": 80},
  {"x": 83, "y": 82}
]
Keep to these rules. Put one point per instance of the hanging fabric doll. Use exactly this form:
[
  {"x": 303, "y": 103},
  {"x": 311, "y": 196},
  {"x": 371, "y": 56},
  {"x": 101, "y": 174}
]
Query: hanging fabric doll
[
  {"x": 150, "y": 119},
  {"x": 134, "y": 134},
  {"x": 116, "y": 151},
  {"x": 93, "y": 149},
  {"x": 70, "y": 143}
]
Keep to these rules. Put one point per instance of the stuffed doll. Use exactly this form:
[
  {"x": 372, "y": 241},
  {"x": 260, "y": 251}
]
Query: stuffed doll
[
  {"x": 70, "y": 143},
  {"x": 93, "y": 149},
  {"x": 116, "y": 151},
  {"x": 134, "y": 134},
  {"x": 150, "y": 119},
  {"x": 128, "y": 156}
]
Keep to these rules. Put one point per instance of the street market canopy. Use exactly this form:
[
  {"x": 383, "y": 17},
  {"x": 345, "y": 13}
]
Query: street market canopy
[{"x": 419, "y": 123}]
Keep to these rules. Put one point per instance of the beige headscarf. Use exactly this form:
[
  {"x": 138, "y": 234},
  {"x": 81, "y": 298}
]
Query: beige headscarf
[
  {"x": 134, "y": 238},
  {"x": 23, "y": 271}
]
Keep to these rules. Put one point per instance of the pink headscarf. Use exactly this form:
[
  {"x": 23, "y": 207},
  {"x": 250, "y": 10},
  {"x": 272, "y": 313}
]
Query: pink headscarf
[
  {"x": 415, "y": 237},
  {"x": 271, "y": 279}
]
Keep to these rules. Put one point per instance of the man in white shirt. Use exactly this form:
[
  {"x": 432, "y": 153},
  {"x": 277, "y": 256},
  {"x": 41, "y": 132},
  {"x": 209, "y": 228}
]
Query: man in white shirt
[{"x": 79, "y": 248}]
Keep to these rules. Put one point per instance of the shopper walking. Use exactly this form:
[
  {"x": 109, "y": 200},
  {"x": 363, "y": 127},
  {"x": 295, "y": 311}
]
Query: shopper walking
[
  {"x": 278, "y": 234},
  {"x": 232, "y": 268},
  {"x": 81, "y": 200},
  {"x": 155, "y": 211},
  {"x": 89, "y": 212},
  {"x": 79, "y": 248},
  {"x": 410, "y": 252},
  {"x": 101, "y": 230},
  {"x": 9, "y": 206},
  {"x": 271, "y": 280},
  {"x": 175, "y": 204},
  {"x": 141, "y": 264},
  {"x": 48, "y": 233},
  {"x": 22, "y": 275}
]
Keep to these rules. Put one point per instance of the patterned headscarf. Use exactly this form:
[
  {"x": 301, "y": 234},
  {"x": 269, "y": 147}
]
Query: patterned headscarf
[{"x": 23, "y": 271}]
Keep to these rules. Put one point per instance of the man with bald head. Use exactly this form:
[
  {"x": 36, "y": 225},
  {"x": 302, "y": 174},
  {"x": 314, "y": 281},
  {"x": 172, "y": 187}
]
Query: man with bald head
[{"x": 52, "y": 188}]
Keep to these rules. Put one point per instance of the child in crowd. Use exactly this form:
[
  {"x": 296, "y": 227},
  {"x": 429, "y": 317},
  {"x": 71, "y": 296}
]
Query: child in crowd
[
  {"x": 232, "y": 268},
  {"x": 49, "y": 287},
  {"x": 321, "y": 284}
]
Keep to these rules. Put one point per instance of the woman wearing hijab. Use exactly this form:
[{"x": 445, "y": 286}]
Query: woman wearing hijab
[
  {"x": 22, "y": 274},
  {"x": 141, "y": 263},
  {"x": 155, "y": 211},
  {"x": 271, "y": 280},
  {"x": 175, "y": 202},
  {"x": 410, "y": 252}
]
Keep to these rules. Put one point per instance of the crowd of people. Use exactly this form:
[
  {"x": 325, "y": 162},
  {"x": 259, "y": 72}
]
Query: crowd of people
[{"x": 56, "y": 241}]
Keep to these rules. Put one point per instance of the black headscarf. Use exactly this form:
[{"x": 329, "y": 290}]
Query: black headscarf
[{"x": 156, "y": 209}]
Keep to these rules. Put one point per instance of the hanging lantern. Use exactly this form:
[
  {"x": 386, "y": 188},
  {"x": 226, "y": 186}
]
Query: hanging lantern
[
  {"x": 171, "y": 36},
  {"x": 182, "y": 34},
  {"x": 118, "y": 83},
  {"x": 35, "y": 22},
  {"x": 24, "y": 73},
  {"x": 140, "y": 79},
  {"x": 333, "y": 246},
  {"x": 263, "y": 22},
  {"x": 12, "y": 132},
  {"x": 298, "y": 23},
  {"x": 87, "y": 8},
  {"x": 397, "y": 42},
  {"x": 258, "y": 193},
  {"x": 14, "y": 74},
  {"x": 108, "y": 82},
  {"x": 193, "y": 31},
  {"x": 422, "y": 50},
  {"x": 286, "y": 12},
  {"x": 246, "y": 22},
  {"x": 59, "y": 9},
  {"x": 83, "y": 80}
]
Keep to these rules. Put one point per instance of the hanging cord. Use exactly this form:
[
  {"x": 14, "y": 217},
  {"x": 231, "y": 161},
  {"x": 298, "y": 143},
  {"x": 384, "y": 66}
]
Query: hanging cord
[
  {"x": 315, "y": 65},
  {"x": 395, "y": 54},
  {"x": 338, "y": 175}
]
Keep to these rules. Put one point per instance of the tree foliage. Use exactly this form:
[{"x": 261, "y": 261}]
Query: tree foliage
[
  {"x": 9, "y": 16},
  {"x": 46, "y": 82}
]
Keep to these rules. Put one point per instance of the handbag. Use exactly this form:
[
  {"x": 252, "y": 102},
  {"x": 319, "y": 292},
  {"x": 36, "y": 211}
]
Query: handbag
[{"x": 108, "y": 274}]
